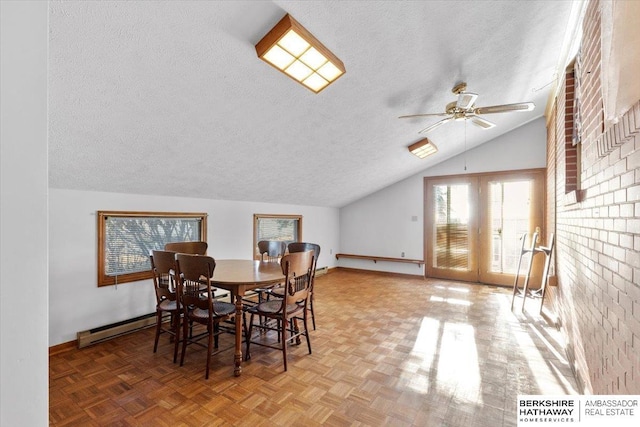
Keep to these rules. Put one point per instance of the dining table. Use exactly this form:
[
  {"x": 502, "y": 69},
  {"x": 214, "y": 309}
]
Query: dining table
[{"x": 239, "y": 276}]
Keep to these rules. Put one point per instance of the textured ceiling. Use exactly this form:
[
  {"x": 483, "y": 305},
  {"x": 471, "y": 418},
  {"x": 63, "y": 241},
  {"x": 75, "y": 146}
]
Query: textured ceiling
[{"x": 169, "y": 98}]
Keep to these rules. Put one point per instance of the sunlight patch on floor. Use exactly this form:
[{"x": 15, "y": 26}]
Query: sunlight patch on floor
[
  {"x": 444, "y": 359},
  {"x": 455, "y": 301}
]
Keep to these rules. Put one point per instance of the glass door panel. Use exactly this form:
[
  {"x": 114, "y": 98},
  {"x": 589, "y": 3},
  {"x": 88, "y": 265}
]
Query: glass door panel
[
  {"x": 509, "y": 208},
  {"x": 512, "y": 205},
  {"x": 451, "y": 227},
  {"x": 451, "y": 233}
]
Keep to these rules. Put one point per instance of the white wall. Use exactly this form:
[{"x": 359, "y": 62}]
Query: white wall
[
  {"x": 76, "y": 303},
  {"x": 390, "y": 221},
  {"x": 24, "y": 386}
]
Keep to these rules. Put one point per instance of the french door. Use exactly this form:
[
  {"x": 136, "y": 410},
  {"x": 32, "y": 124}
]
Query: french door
[{"x": 473, "y": 224}]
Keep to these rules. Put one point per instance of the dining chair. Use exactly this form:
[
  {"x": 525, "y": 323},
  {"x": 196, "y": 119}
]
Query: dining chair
[
  {"x": 302, "y": 247},
  {"x": 270, "y": 251},
  {"x": 196, "y": 248},
  {"x": 163, "y": 267},
  {"x": 194, "y": 273},
  {"x": 288, "y": 310}
]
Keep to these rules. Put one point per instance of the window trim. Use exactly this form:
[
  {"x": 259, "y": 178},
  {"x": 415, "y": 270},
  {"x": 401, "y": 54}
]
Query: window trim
[
  {"x": 573, "y": 131},
  {"x": 103, "y": 278},
  {"x": 256, "y": 217}
]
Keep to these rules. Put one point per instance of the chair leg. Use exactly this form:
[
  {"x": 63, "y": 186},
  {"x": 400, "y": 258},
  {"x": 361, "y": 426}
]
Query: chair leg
[
  {"x": 176, "y": 338},
  {"x": 306, "y": 330},
  {"x": 158, "y": 326},
  {"x": 216, "y": 330},
  {"x": 313, "y": 315},
  {"x": 245, "y": 331},
  {"x": 185, "y": 338},
  {"x": 283, "y": 331},
  {"x": 247, "y": 354},
  {"x": 210, "y": 329}
]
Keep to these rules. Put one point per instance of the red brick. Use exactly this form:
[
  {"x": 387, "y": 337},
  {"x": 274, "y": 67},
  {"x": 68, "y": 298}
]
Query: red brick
[{"x": 598, "y": 238}]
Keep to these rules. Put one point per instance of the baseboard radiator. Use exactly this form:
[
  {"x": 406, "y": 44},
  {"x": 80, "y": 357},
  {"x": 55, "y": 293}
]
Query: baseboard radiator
[
  {"x": 322, "y": 271},
  {"x": 107, "y": 332}
]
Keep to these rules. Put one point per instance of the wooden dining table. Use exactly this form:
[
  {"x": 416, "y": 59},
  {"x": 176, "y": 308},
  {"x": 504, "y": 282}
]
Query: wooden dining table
[{"x": 239, "y": 276}]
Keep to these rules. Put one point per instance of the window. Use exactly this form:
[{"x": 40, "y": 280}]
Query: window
[
  {"x": 287, "y": 228},
  {"x": 573, "y": 131},
  {"x": 125, "y": 240}
]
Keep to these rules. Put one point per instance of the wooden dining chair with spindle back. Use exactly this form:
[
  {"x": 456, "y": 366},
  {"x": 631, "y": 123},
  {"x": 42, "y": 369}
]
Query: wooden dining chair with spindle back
[
  {"x": 163, "y": 267},
  {"x": 287, "y": 311},
  {"x": 302, "y": 247},
  {"x": 270, "y": 251},
  {"x": 193, "y": 248},
  {"x": 194, "y": 273}
]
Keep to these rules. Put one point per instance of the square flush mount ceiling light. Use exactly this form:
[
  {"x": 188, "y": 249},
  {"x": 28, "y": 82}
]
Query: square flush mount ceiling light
[
  {"x": 292, "y": 49},
  {"x": 423, "y": 148}
]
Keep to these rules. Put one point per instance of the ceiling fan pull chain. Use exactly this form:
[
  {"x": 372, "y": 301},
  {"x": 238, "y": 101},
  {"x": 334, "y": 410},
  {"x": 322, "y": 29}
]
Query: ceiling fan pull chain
[{"x": 465, "y": 144}]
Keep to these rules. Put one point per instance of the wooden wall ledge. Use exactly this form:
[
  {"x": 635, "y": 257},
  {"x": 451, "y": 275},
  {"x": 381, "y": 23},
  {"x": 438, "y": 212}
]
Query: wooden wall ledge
[{"x": 375, "y": 259}]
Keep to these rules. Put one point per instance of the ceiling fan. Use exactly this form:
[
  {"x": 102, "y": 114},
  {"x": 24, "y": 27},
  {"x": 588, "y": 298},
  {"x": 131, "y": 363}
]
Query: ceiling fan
[{"x": 464, "y": 109}]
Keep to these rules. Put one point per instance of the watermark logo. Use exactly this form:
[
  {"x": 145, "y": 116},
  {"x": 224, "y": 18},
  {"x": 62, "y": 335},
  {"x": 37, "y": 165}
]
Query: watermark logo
[{"x": 582, "y": 411}]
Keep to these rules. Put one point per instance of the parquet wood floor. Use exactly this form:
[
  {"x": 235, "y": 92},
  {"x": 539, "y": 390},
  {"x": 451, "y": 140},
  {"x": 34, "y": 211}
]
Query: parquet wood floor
[{"x": 388, "y": 351}]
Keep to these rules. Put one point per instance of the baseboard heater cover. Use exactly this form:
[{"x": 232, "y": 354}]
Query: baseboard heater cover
[
  {"x": 321, "y": 271},
  {"x": 107, "y": 332}
]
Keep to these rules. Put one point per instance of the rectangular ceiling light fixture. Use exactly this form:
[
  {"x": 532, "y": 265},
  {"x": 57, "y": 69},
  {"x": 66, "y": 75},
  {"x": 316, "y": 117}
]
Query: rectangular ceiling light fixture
[
  {"x": 423, "y": 148},
  {"x": 292, "y": 49}
]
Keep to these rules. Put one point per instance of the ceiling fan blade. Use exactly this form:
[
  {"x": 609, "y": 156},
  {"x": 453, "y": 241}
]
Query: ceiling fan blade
[
  {"x": 466, "y": 100},
  {"x": 479, "y": 121},
  {"x": 436, "y": 125},
  {"x": 423, "y": 115},
  {"x": 521, "y": 106}
]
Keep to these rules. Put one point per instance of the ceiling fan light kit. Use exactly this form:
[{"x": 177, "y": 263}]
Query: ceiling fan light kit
[
  {"x": 479, "y": 121},
  {"x": 423, "y": 148},
  {"x": 293, "y": 50}
]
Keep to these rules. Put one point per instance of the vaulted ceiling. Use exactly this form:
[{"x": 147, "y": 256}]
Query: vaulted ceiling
[{"x": 169, "y": 98}]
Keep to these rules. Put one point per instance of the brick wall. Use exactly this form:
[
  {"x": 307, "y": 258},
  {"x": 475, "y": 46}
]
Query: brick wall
[{"x": 598, "y": 232}]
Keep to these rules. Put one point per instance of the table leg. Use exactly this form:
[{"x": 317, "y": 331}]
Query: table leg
[{"x": 238, "y": 354}]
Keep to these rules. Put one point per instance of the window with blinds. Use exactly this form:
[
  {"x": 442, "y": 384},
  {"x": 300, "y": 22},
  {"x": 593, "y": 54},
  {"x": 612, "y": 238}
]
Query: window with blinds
[
  {"x": 125, "y": 240},
  {"x": 285, "y": 228}
]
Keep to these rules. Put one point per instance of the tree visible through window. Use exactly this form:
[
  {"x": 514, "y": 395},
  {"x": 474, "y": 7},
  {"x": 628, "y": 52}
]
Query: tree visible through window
[{"x": 125, "y": 240}]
